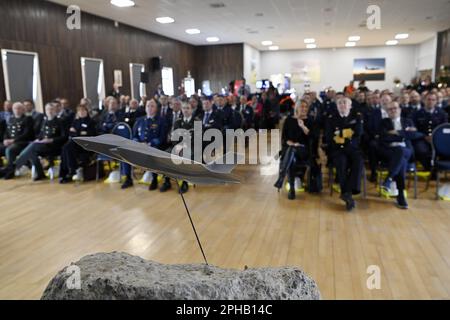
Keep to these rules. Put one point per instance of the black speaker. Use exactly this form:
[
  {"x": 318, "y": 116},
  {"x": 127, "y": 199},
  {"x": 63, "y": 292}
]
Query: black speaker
[
  {"x": 145, "y": 77},
  {"x": 155, "y": 64}
]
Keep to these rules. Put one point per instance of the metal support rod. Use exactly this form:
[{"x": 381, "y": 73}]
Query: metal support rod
[{"x": 192, "y": 223}]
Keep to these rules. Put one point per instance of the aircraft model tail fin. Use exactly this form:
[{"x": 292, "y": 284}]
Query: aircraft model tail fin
[{"x": 220, "y": 165}]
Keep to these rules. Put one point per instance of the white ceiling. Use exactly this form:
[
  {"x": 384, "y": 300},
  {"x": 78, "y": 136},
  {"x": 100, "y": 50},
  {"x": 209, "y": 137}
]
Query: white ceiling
[{"x": 285, "y": 22}]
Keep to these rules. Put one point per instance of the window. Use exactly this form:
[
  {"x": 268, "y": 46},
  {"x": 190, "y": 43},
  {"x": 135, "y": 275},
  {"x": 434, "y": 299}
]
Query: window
[
  {"x": 93, "y": 80},
  {"x": 137, "y": 86},
  {"x": 167, "y": 81},
  {"x": 22, "y": 76}
]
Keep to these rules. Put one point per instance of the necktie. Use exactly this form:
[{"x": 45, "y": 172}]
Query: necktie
[{"x": 207, "y": 116}]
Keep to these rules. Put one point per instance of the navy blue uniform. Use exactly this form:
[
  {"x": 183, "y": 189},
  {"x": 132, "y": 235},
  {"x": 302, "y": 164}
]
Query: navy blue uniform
[
  {"x": 151, "y": 131},
  {"x": 21, "y": 131},
  {"x": 425, "y": 123},
  {"x": 108, "y": 121},
  {"x": 343, "y": 136},
  {"x": 72, "y": 153},
  {"x": 54, "y": 129}
]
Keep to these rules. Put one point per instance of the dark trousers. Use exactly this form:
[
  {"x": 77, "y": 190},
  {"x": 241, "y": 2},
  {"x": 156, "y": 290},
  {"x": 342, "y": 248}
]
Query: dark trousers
[
  {"x": 348, "y": 163},
  {"x": 12, "y": 152},
  {"x": 372, "y": 154},
  {"x": 397, "y": 159},
  {"x": 423, "y": 152},
  {"x": 72, "y": 154},
  {"x": 32, "y": 153}
]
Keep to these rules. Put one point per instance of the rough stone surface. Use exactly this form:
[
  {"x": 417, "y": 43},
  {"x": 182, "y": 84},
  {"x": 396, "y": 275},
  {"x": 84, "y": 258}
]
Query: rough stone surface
[{"x": 120, "y": 276}]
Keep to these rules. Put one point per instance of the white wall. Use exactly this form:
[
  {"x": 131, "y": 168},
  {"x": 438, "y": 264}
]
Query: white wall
[
  {"x": 426, "y": 55},
  {"x": 252, "y": 60},
  {"x": 337, "y": 65}
]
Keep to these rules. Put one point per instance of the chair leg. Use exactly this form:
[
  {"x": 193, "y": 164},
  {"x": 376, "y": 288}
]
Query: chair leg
[
  {"x": 437, "y": 184},
  {"x": 97, "y": 171},
  {"x": 415, "y": 184},
  {"x": 380, "y": 182},
  {"x": 331, "y": 181},
  {"x": 364, "y": 183}
]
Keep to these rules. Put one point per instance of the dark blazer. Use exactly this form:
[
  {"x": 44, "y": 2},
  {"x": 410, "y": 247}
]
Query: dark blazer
[
  {"x": 215, "y": 121},
  {"x": 403, "y": 136}
]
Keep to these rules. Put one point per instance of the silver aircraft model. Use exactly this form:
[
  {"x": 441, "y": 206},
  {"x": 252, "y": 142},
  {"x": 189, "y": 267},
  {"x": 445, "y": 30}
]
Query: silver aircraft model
[
  {"x": 157, "y": 161},
  {"x": 160, "y": 162}
]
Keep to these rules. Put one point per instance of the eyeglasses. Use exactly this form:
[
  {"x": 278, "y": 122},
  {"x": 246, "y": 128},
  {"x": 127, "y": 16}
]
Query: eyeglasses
[{"x": 393, "y": 109}]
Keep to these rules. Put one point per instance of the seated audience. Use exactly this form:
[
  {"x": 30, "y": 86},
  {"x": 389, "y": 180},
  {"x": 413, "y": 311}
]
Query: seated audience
[
  {"x": 37, "y": 117},
  {"x": 426, "y": 120},
  {"x": 49, "y": 142},
  {"x": 72, "y": 154},
  {"x": 343, "y": 136},
  {"x": 7, "y": 111},
  {"x": 296, "y": 142},
  {"x": 149, "y": 130},
  {"x": 17, "y": 134}
]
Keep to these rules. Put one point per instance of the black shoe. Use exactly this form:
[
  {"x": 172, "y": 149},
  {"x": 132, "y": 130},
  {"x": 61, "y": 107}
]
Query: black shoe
[
  {"x": 279, "y": 184},
  {"x": 65, "y": 180},
  {"x": 153, "y": 185},
  {"x": 401, "y": 201},
  {"x": 291, "y": 195},
  {"x": 349, "y": 202},
  {"x": 9, "y": 174},
  {"x": 127, "y": 184},
  {"x": 166, "y": 187},
  {"x": 184, "y": 187}
]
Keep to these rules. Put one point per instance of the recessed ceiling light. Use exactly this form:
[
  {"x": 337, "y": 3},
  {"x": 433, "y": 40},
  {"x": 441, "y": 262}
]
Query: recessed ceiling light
[
  {"x": 311, "y": 46},
  {"x": 392, "y": 42},
  {"x": 402, "y": 36},
  {"x": 165, "y": 20},
  {"x": 192, "y": 31},
  {"x": 274, "y": 48},
  {"x": 267, "y": 43},
  {"x": 354, "y": 38},
  {"x": 123, "y": 3},
  {"x": 350, "y": 44},
  {"x": 310, "y": 40},
  {"x": 212, "y": 39}
]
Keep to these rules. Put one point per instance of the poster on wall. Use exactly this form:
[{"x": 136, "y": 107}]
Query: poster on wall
[
  {"x": 305, "y": 71},
  {"x": 118, "y": 78},
  {"x": 369, "y": 69}
]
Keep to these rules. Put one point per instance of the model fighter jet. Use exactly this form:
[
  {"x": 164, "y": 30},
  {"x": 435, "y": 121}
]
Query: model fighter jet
[
  {"x": 157, "y": 161},
  {"x": 154, "y": 160}
]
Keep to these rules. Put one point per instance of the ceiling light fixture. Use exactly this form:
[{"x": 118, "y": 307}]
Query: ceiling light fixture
[
  {"x": 311, "y": 46},
  {"x": 392, "y": 42},
  {"x": 165, "y": 20},
  {"x": 192, "y": 31},
  {"x": 212, "y": 39},
  {"x": 274, "y": 48},
  {"x": 310, "y": 40},
  {"x": 402, "y": 36},
  {"x": 350, "y": 44},
  {"x": 354, "y": 38},
  {"x": 123, "y": 3},
  {"x": 267, "y": 43}
]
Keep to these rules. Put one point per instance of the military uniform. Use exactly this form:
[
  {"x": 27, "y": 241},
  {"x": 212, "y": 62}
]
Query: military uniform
[
  {"x": 21, "y": 131},
  {"x": 108, "y": 121},
  {"x": 54, "y": 129},
  {"x": 72, "y": 153},
  {"x": 130, "y": 116},
  {"x": 343, "y": 136},
  {"x": 425, "y": 123},
  {"x": 151, "y": 131}
]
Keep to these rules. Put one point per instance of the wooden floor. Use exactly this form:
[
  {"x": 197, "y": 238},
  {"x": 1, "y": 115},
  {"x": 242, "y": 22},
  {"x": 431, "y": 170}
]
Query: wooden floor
[{"x": 44, "y": 227}]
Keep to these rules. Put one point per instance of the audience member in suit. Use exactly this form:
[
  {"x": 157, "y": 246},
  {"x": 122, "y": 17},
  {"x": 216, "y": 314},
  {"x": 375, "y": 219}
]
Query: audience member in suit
[
  {"x": 132, "y": 112},
  {"x": 271, "y": 110},
  {"x": 37, "y": 117},
  {"x": 68, "y": 113},
  {"x": 248, "y": 114},
  {"x": 72, "y": 154},
  {"x": 197, "y": 109},
  {"x": 426, "y": 120},
  {"x": 149, "y": 130},
  {"x": 415, "y": 105},
  {"x": 49, "y": 142},
  {"x": 212, "y": 119},
  {"x": 110, "y": 117},
  {"x": 397, "y": 134},
  {"x": 226, "y": 113},
  {"x": 166, "y": 113},
  {"x": 116, "y": 91},
  {"x": 16, "y": 135},
  {"x": 343, "y": 136},
  {"x": 404, "y": 102}
]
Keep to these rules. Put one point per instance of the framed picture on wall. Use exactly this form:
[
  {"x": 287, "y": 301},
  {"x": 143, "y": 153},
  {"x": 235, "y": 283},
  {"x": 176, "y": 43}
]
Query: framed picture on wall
[
  {"x": 118, "y": 77},
  {"x": 369, "y": 69}
]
